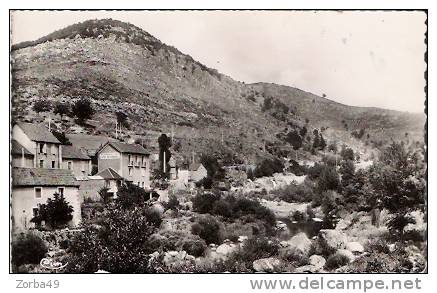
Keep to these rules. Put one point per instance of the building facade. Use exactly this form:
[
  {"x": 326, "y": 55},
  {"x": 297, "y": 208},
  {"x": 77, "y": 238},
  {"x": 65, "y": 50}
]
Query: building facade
[
  {"x": 33, "y": 186},
  {"x": 21, "y": 157},
  {"x": 41, "y": 143},
  {"x": 76, "y": 161},
  {"x": 130, "y": 161}
]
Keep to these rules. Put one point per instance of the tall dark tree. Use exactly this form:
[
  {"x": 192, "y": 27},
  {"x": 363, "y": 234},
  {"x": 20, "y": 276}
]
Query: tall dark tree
[
  {"x": 322, "y": 142},
  {"x": 56, "y": 212},
  {"x": 122, "y": 118},
  {"x": 164, "y": 143},
  {"x": 42, "y": 105},
  {"x": 62, "y": 109},
  {"x": 83, "y": 110}
]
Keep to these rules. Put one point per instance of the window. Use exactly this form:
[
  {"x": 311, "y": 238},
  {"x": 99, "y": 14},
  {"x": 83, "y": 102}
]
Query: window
[
  {"x": 69, "y": 165},
  {"x": 107, "y": 183},
  {"x": 41, "y": 163},
  {"x": 130, "y": 160},
  {"x": 38, "y": 192},
  {"x": 61, "y": 190},
  {"x": 143, "y": 172},
  {"x": 53, "y": 164},
  {"x": 35, "y": 212},
  {"x": 138, "y": 161},
  {"x": 130, "y": 171},
  {"x": 53, "y": 149},
  {"x": 41, "y": 148}
]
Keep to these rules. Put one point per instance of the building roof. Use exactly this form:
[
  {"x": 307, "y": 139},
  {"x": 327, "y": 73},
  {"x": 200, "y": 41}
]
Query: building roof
[
  {"x": 109, "y": 173},
  {"x": 18, "y": 149},
  {"x": 89, "y": 143},
  {"x": 194, "y": 166},
  {"x": 42, "y": 177},
  {"x": 71, "y": 152},
  {"x": 129, "y": 148},
  {"x": 38, "y": 132}
]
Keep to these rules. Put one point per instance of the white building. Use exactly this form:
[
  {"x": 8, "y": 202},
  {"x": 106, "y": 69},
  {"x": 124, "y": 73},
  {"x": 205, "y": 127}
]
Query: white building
[
  {"x": 41, "y": 143},
  {"x": 33, "y": 186},
  {"x": 130, "y": 161}
]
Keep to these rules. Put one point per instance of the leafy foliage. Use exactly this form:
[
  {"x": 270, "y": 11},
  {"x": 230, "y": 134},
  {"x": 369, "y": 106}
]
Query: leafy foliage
[
  {"x": 119, "y": 245},
  {"x": 268, "y": 167},
  {"x": 208, "y": 228},
  {"x": 42, "y": 105},
  {"x": 27, "y": 249},
  {"x": 83, "y": 109},
  {"x": 55, "y": 212}
]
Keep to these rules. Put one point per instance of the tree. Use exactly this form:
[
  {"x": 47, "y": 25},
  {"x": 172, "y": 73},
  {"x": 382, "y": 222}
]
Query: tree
[
  {"x": 130, "y": 195},
  {"x": 104, "y": 194},
  {"x": 122, "y": 118},
  {"x": 347, "y": 153},
  {"x": 55, "y": 212},
  {"x": 61, "y": 137},
  {"x": 62, "y": 109},
  {"x": 27, "y": 249},
  {"x": 83, "y": 109},
  {"x": 347, "y": 171},
  {"x": 303, "y": 131},
  {"x": 164, "y": 143},
  {"x": 119, "y": 244},
  {"x": 42, "y": 105},
  {"x": 294, "y": 139},
  {"x": 322, "y": 142}
]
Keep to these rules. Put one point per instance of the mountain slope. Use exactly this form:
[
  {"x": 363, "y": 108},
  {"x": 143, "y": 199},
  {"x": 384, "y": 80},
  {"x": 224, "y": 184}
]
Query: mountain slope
[{"x": 122, "y": 68}]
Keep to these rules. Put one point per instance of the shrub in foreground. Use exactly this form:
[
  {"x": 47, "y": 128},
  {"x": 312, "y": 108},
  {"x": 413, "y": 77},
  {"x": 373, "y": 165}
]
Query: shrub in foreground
[{"x": 28, "y": 249}]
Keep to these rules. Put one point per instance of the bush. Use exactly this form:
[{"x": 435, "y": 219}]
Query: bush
[
  {"x": 203, "y": 202},
  {"x": 42, "y": 105},
  {"x": 55, "y": 212},
  {"x": 153, "y": 217},
  {"x": 295, "y": 193},
  {"x": 130, "y": 195},
  {"x": 173, "y": 203},
  {"x": 257, "y": 248},
  {"x": 336, "y": 260},
  {"x": 268, "y": 167},
  {"x": 194, "y": 246},
  {"x": 121, "y": 244},
  {"x": 208, "y": 228},
  {"x": 62, "y": 109},
  {"x": 28, "y": 249}
]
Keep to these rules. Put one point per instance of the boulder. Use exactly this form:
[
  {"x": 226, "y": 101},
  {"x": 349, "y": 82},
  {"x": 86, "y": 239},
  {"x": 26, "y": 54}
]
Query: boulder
[
  {"x": 317, "y": 260},
  {"x": 300, "y": 243},
  {"x": 242, "y": 238},
  {"x": 344, "y": 252},
  {"x": 307, "y": 269},
  {"x": 330, "y": 240},
  {"x": 355, "y": 247},
  {"x": 269, "y": 265},
  {"x": 158, "y": 208},
  {"x": 226, "y": 249}
]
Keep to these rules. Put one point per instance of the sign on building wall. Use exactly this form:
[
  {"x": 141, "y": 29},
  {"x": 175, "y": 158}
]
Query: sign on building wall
[{"x": 109, "y": 156}]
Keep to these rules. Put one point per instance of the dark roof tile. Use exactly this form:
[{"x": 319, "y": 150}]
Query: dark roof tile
[
  {"x": 38, "y": 132},
  {"x": 42, "y": 177}
]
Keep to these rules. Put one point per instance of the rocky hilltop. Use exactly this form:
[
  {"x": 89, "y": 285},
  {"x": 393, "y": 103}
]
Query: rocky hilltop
[{"x": 120, "y": 67}]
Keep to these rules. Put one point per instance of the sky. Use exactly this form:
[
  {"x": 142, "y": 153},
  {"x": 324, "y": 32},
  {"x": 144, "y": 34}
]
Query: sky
[{"x": 359, "y": 58}]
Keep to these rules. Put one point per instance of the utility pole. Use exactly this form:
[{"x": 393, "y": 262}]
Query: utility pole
[
  {"x": 49, "y": 124},
  {"x": 116, "y": 130},
  {"x": 172, "y": 133},
  {"x": 164, "y": 162}
]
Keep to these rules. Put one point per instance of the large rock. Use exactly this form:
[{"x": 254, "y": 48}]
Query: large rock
[
  {"x": 159, "y": 208},
  {"x": 317, "y": 260},
  {"x": 355, "y": 247},
  {"x": 331, "y": 240},
  {"x": 269, "y": 265},
  {"x": 299, "y": 243},
  {"x": 348, "y": 254},
  {"x": 307, "y": 269},
  {"x": 226, "y": 248}
]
